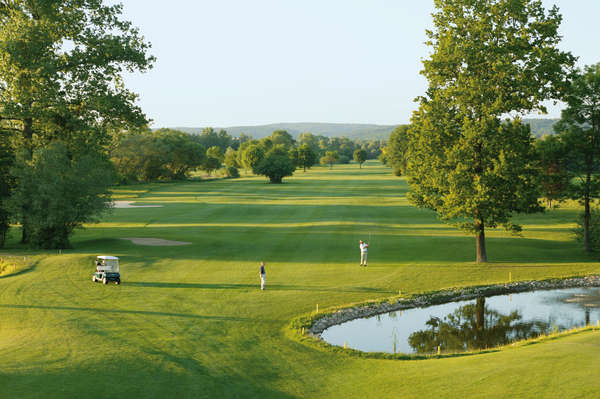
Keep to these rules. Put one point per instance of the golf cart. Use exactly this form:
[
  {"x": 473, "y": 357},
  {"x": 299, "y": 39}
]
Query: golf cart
[{"x": 107, "y": 269}]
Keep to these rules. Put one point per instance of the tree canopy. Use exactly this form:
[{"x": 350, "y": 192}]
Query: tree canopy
[
  {"x": 579, "y": 130},
  {"x": 489, "y": 58},
  {"x": 61, "y": 66}
]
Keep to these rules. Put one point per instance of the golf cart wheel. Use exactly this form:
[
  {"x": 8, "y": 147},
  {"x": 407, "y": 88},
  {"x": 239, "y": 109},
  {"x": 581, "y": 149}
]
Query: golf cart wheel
[
  {"x": 94, "y": 279},
  {"x": 104, "y": 281},
  {"x": 118, "y": 282}
]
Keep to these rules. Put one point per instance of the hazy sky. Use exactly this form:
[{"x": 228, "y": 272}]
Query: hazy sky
[{"x": 239, "y": 62}]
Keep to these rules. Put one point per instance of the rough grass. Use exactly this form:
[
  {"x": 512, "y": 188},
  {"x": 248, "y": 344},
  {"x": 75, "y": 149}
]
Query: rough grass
[{"x": 190, "y": 321}]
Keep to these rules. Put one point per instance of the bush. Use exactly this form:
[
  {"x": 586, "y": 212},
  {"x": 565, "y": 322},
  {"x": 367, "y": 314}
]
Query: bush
[
  {"x": 594, "y": 229},
  {"x": 232, "y": 172},
  {"x": 57, "y": 193},
  {"x": 344, "y": 160}
]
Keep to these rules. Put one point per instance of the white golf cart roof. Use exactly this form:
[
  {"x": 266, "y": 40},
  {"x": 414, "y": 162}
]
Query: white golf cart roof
[{"x": 107, "y": 257}]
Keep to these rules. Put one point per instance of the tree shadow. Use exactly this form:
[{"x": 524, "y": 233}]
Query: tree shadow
[
  {"x": 154, "y": 373},
  {"x": 270, "y": 287},
  {"x": 123, "y": 311},
  {"x": 21, "y": 272}
]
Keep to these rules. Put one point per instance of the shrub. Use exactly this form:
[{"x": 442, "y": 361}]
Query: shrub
[
  {"x": 232, "y": 172},
  {"x": 344, "y": 159}
]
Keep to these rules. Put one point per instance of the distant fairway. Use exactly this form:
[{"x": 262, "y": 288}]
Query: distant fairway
[{"x": 191, "y": 321}]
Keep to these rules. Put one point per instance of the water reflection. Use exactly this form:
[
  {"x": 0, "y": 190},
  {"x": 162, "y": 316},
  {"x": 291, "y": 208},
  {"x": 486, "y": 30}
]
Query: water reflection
[
  {"x": 470, "y": 325},
  {"x": 474, "y": 326}
]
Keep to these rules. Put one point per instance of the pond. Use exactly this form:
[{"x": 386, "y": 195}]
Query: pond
[{"x": 470, "y": 325}]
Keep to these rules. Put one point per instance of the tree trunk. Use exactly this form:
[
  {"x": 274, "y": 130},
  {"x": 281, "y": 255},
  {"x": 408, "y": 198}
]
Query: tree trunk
[
  {"x": 480, "y": 242},
  {"x": 27, "y": 139},
  {"x": 586, "y": 223},
  {"x": 480, "y": 314}
]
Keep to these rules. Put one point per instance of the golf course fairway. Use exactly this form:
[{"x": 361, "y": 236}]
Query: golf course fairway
[{"x": 190, "y": 321}]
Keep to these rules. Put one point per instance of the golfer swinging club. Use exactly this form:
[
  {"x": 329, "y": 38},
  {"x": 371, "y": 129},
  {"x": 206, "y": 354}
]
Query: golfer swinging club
[{"x": 363, "y": 252}]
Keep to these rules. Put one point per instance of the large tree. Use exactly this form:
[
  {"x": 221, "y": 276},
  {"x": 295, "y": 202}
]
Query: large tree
[
  {"x": 275, "y": 166},
  {"x": 61, "y": 65},
  {"x": 490, "y": 58},
  {"x": 579, "y": 130}
]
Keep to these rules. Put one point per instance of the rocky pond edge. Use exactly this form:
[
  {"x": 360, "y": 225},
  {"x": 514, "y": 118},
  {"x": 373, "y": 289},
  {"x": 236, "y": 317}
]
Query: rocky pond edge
[{"x": 316, "y": 323}]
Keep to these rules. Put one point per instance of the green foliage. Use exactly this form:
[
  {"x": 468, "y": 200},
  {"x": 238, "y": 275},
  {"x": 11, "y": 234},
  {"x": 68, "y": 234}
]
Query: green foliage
[
  {"x": 252, "y": 155},
  {"x": 396, "y": 150},
  {"x": 56, "y": 89},
  {"x": 161, "y": 155},
  {"x": 232, "y": 172},
  {"x": 7, "y": 159},
  {"x": 62, "y": 191},
  {"x": 330, "y": 158},
  {"x": 282, "y": 137},
  {"x": 490, "y": 58},
  {"x": 373, "y": 148},
  {"x": 360, "y": 156},
  {"x": 231, "y": 158},
  {"x": 61, "y": 79},
  {"x": 210, "y": 164},
  {"x": 216, "y": 152},
  {"x": 593, "y": 229},
  {"x": 579, "y": 130},
  {"x": 307, "y": 157},
  {"x": 344, "y": 160},
  {"x": 483, "y": 177},
  {"x": 551, "y": 153},
  {"x": 209, "y": 138},
  {"x": 275, "y": 166},
  {"x": 354, "y": 131},
  {"x": 279, "y": 149}
]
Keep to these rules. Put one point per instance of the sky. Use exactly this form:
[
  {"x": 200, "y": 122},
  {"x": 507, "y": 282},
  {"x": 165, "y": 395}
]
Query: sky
[{"x": 237, "y": 62}]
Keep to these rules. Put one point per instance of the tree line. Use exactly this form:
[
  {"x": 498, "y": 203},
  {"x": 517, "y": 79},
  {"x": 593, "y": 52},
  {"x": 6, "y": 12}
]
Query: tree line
[{"x": 167, "y": 154}]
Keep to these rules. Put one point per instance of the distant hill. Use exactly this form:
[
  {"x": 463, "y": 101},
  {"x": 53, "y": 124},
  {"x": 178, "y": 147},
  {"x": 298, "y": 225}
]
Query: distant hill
[
  {"x": 354, "y": 131},
  {"x": 541, "y": 127}
]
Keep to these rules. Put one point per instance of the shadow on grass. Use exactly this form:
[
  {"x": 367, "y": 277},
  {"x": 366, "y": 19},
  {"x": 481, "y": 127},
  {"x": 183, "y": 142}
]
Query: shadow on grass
[
  {"x": 21, "y": 272},
  {"x": 271, "y": 287},
  {"x": 122, "y": 311},
  {"x": 155, "y": 374}
]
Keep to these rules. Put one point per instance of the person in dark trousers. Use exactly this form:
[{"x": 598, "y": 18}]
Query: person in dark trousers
[{"x": 263, "y": 278}]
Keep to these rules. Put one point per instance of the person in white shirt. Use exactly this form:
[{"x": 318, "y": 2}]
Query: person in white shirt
[{"x": 363, "y": 252}]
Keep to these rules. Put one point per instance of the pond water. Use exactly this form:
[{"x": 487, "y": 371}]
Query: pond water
[{"x": 470, "y": 325}]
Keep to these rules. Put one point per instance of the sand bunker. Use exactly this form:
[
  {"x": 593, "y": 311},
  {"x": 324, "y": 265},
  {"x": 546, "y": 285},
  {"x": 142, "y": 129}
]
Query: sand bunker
[
  {"x": 155, "y": 241},
  {"x": 127, "y": 204}
]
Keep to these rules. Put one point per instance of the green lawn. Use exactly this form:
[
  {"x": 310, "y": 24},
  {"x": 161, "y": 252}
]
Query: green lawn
[{"x": 190, "y": 321}]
